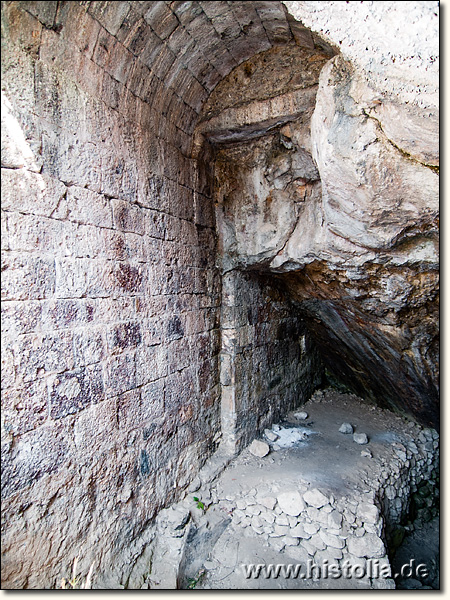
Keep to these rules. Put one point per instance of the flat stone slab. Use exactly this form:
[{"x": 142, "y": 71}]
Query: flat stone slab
[
  {"x": 315, "y": 498},
  {"x": 291, "y": 503}
]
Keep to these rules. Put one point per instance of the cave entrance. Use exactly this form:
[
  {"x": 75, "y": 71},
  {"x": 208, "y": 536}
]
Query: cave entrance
[
  {"x": 306, "y": 291},
  {"x": 255, "y": 130}
]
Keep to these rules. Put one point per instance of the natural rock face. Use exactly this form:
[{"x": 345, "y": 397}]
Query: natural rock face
[
  {"x": 111, "y": 393},
  {"x": 346, "y": 214}
]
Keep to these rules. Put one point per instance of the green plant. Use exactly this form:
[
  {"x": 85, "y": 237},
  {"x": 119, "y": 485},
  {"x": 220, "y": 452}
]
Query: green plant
[
  {"x": 75, "y": 582},
  {"x": 200, "y": 504},
  {"x": 193, "y": 581}
]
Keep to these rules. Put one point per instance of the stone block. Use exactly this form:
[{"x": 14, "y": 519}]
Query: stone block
[
  {"x": 154, "y": 223},
  {"x": 40, "y": 354},
  {"x": 34, "y": 454},
  {"x": 88, "y": 347},
  {"x": 24, "y": 30},
  {"x": 161, "y": 19},
  {"x": 84, "y": 206},
  {"x": 73, "y": 391},
  {"x": 109, "y": 15},
  {"x": 20, "y": 317},
  {"x": 78, "y": 27},
  {"x": 127, "y": 217},
  {"x": 123, "y": 336},
  {"x": 95, "y": 429},
  {"x": 30, "y": 193},
  {"x": 127, "y": 277},
  {"x": 25, "y": 408},
  {"x": 120, "y": 374}
]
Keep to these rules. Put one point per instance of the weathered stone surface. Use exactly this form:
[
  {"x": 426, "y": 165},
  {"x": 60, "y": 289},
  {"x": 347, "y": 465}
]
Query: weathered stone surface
[
  {"x": 259, "y": 448},
  {"x": 360, "y": 438},
  {"x": 291, "y": 503},
  {"x": 346, "y": 428},
  {"x": 343, "y": 240},
  {"x": 369, "y": 545},
  {"x": 315, "y": 498},
  {"x": 112, "y": 385}
]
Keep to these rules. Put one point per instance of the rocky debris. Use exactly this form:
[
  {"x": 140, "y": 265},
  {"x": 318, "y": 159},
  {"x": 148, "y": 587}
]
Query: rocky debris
[
  {"x": 346, "y": 428},
  {"x": 290, "y": 436},
  {"x": 291, "y": 503},
  {"x": 301, "y": 416},
  {"x": 271, "y": 435},
  {"x": 315, "y": 498},
  {"x": 368, "y": 545},
  {"x": 259, "y": 448},
  {"x": 360, "y": 438},
  {"x": 301, "y": 521},
  {"x": 366, "y": 453}
]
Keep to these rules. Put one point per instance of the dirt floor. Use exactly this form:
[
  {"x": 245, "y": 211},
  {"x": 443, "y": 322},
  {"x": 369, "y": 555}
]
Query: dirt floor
[{"x": 223, "y": 544}]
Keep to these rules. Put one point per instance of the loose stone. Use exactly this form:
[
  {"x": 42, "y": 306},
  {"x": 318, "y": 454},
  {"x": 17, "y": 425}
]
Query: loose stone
[
  {"x": 268, "y": 501},
  {"x": 270, "y": 435},
  {"x": 300, "y": 532},
  {"x": 311, "y": 528},
  {"x": 301, "y": 416},
  {"x": 369, "y": 545},
  {"x": 331, "y": 540},
  {"x": 346, "y": 428},
  {"x": 360, "y": 438},
  {"x": 290, "y": 541},
  {"x": 315, "y": 498},
  {"x": 291, "y": 503}
]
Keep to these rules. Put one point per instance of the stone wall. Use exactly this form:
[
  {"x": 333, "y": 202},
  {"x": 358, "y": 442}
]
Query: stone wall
[
  {"x": 268, "y": 361},
  {"x": 111, "y": 282},
  {"x": 111, "y": 294}
]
